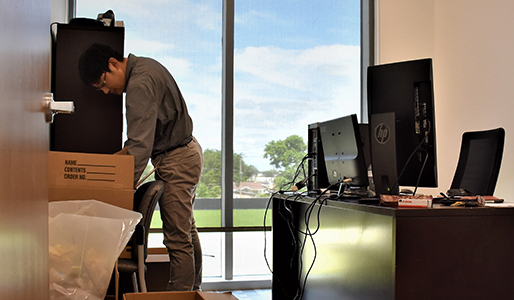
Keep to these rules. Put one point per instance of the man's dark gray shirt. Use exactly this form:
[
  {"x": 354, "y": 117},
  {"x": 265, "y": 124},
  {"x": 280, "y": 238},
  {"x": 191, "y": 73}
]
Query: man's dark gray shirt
[{"x": 157, "y": 115}]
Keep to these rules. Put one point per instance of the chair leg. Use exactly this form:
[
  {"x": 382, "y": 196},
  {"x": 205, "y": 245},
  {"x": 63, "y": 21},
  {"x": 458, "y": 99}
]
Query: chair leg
[
  {"x": 141, "y": 268},
  {"x": 134, "y": 283},
  {"x": 142, "y": 281},
  {"x": 116, "y": 281}
]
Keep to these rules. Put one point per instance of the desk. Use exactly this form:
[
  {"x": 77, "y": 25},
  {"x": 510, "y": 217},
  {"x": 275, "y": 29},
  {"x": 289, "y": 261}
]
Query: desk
[{"x": 372, "y": 252}]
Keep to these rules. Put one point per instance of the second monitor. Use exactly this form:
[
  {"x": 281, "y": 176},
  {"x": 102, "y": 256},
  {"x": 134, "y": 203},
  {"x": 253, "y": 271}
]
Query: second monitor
[
  {"x": 338, "y": 154},
  {"x": 402, "y": 125}
]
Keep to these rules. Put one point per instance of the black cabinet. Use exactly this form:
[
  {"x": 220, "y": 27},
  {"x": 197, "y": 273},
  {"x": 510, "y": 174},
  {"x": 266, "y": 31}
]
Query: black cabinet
[{"x": 97, "y": 124}]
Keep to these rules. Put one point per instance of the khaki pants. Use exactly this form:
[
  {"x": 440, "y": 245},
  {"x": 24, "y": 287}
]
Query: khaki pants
[{"x": 180, "y": 169}]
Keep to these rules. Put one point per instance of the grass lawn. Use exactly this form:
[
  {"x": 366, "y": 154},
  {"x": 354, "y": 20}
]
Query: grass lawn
[{"x": 212, "y": 218}]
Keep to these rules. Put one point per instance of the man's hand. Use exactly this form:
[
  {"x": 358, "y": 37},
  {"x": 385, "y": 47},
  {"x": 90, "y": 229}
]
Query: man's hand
[{"x": 122, "y": 151}]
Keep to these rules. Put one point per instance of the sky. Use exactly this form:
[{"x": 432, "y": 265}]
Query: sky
[{"x": 296, "y": 62}]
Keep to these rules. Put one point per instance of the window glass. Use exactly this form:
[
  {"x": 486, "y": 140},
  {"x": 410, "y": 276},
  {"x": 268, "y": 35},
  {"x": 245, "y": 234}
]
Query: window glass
[
  {"x": 296, "y": 62},
  {"x": 185, "y": 36}
]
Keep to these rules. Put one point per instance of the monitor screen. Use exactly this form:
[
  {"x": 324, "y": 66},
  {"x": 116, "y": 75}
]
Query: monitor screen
[
  {"x": 402, "y": 125},
  {"x": 343, "y": 151}
]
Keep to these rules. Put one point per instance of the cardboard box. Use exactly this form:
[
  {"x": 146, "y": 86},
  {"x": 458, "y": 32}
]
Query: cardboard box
[
  {"x": 85, "y": 176},
  {"x": 179, "y": 296}
]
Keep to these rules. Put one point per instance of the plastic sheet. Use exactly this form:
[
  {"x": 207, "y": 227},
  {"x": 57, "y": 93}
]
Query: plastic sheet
[{"x": 85, "y": 239}]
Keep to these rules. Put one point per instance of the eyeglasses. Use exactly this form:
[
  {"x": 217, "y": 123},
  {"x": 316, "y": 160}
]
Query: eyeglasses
[{"x": 99, "y": 88}]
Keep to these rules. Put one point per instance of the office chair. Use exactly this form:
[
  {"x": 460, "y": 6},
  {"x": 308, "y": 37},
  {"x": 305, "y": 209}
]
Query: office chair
[
  {"x": 145, "y": 200},
  {"x": 479, "y": 161}
]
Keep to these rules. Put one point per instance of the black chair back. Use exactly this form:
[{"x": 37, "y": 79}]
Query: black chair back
[
  {"x": 145, "y": 201},
  {"x": 479, "y": 161}
]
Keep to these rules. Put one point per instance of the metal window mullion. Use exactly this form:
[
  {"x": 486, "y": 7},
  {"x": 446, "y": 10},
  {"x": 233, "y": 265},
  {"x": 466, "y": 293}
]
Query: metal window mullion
[
  {"x": 227, "y": 135},
  {"x": 367, "y": 51},
  {"x": 71, "y": 9}
]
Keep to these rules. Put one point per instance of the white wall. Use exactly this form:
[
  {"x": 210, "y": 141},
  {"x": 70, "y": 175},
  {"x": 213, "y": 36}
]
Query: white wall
[
  {"x": 405, "y": 30},
  {"x": 59, "y": 11},
  {"x": 471, "y": 42}
]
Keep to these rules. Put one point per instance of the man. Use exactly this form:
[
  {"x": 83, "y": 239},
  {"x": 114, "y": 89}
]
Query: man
[{"x": 158, "y": 127}]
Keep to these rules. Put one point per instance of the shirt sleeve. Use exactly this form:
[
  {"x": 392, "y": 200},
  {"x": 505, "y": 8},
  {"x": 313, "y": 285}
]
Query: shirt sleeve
[{"x": 141, "y": 104}]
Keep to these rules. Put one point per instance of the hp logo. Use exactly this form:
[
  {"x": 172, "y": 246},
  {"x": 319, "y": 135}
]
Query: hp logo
[{"x": 382, "y": 133}]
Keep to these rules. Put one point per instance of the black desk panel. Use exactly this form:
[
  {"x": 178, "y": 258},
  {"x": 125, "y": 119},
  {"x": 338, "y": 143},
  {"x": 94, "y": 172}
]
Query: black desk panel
[{"x": 371, "y": 252}]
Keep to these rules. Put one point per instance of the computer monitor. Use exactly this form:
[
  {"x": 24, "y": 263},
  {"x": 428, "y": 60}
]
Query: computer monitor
[
  {"x": 402, "y": 125},
  {"x": 317, "y": 172},
  {"x": 343, "y": 152}
]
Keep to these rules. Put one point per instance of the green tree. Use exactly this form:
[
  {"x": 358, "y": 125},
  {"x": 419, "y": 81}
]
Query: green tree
[
  {"x": 242, "y": 171},
  {"x": 211, "y": 174},
  {"x": 285, "y": 155},
  {"x": 204, "y": 191},
  {"x": 210, "y": 182}
]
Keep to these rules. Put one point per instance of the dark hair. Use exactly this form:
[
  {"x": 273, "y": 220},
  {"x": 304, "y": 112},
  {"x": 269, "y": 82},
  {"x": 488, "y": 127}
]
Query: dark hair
[{"x": 95, "y": 61}]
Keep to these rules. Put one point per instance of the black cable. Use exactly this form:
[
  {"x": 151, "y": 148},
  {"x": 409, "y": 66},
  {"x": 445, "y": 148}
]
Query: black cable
[
  {"x": 308, "y": 233},
  {"x": 290, "y": 226},
  {"x": 265, "y": 246},
  {"x": 301, "y": 167},
  {"x": 297, "y": 243},
  {"x": 289, "y": 222},
  {"x": 299, "y": 236},
  {"x": 420, "y": 173},
  {"x": 264, "y": 229},
  {"x": 311, "y": 236},
  {"x": 412, "y": 155}
]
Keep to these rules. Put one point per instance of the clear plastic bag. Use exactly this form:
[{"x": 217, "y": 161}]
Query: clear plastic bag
[{"x": 85, "y": 239}]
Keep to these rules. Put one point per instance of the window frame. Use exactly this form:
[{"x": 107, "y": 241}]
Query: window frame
[{"x": 227, "y": 145}]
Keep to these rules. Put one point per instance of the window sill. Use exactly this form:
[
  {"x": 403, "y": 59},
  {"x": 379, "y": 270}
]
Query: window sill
[{"x": 238, "y": 283}]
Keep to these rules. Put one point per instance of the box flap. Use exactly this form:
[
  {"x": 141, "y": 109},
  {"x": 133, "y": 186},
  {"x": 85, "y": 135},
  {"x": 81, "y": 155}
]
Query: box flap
[{"x": 217, "y": 296}]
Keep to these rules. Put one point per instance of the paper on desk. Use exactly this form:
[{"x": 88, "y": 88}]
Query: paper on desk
[{"x": 504, "y": 204}]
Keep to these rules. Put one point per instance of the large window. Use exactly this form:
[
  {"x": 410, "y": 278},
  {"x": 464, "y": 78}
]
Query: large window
[
  {"x": 291, "y": 63},
  {"x": 296, "y": 63}
]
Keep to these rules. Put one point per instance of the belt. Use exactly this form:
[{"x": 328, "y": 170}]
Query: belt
[{"x": 189, "y": 139}]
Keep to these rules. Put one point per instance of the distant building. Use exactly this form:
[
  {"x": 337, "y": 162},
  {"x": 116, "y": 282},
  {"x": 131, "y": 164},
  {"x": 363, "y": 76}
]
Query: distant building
[
  {"x": 249, "y": 189},
  {"x": 266, "y": 181}
]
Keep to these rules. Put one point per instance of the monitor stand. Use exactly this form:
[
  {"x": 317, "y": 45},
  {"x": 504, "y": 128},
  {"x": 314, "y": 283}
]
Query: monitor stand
[{"x": 383, "y": 153}]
